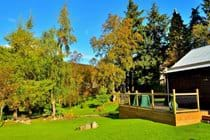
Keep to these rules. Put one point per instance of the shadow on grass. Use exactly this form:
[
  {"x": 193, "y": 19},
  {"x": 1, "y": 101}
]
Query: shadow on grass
[
  {"x": 93, "y": 105},
  {"x": 112, "y": 114}
]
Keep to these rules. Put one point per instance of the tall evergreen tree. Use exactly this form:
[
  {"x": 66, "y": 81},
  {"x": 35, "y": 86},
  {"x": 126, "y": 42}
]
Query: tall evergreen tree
[
  {"x": 150, "y": 55},
  {"x": 195, "y": 18},
  {"x": 177, "y": 39},
  {"x": 206, "y": 8},
  {"x": 135, "y": 14},
  {"x": 200, "y": 33},
  {"x": 195, "y": 22}
]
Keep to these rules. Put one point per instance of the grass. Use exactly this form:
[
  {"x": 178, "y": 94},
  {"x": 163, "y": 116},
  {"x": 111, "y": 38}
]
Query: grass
[
  {"x": 92, "y": 107},
  {"x": 109, "y": 129}
]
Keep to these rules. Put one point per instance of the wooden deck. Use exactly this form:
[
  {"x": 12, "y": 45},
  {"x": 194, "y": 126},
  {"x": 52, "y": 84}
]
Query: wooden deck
[
  {"x": 161, "y": 115},
  {"x": 205, "y": 116}
]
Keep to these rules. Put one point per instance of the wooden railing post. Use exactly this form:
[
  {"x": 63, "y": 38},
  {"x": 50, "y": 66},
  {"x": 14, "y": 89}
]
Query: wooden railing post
[
  {"x": 174, "y": 101},
  {"x": 137, "y": 98},
  {"x": 153, "y": 100},
  {"x": 198, "y": 102},
  {"x": 129, "y": 100}
]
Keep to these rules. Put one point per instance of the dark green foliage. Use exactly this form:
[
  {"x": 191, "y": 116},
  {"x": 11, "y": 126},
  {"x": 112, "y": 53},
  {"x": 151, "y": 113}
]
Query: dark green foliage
[
  {"x": 150, "y": 54},
  {"x": 196, "y": 20},
  {"x": 206, "y": 8},
  {"x": 177, "y": 39},
  {"x": 134, "y": 14}
]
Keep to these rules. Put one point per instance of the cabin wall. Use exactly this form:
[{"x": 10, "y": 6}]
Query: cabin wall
[{"x": 188, "y": 81}]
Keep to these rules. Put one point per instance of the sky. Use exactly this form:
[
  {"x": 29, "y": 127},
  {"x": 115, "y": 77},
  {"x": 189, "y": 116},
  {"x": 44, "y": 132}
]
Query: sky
[{"x": 87, "y": 16}]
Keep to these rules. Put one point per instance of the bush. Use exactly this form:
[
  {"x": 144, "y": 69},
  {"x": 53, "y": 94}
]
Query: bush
[
  {"x": 102, "y": 96},
  {"x": 59, "y": 110},
  {"x": 47, "y": 109}
]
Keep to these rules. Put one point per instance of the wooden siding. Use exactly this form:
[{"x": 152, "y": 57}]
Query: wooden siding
[{"x": 188, "y": 81}]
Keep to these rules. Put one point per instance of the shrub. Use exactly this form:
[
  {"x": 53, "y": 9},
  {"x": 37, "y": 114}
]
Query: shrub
[{"x": 102, "y": 96}]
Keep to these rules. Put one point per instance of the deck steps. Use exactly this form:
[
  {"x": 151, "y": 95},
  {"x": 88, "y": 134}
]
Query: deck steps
[{"x": 205, "y": 116}]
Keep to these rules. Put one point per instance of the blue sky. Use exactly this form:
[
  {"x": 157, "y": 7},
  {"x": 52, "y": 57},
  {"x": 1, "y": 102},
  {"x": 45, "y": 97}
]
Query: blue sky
[{"x": 87, "y": 16}]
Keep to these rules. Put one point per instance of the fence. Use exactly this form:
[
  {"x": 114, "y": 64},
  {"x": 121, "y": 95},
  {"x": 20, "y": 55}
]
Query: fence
[{"x": 125, "y": 99}]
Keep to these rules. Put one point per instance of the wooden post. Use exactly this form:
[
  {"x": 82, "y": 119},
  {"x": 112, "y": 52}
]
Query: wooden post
[
  {"x": 129, "y": 100},
  {"x": 174, "y": 101},
  {"x": 198, "y": 102},
  {"x": 153, "y": 99},
  {"x": 137, "y": 98}
]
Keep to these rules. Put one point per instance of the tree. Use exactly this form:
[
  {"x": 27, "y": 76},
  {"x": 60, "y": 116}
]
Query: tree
[
  {"x": 177, "y": 39},
  {"x": 134, "y": 14},
  {"x": 65, "y": 36},
  {"x": 117, "y": 43},
  {"x": 196, "y": 18},
  {"x": 109, "y": 76},
  {"x": 56, "y": 56},
  {"x": 206, "y": 8},
  {"x": 21, "y": 40},
  {"x": 7, "y": 87},
  {"x": 195, "y": 28},
  {"x": 200, "y": 31},
  {"x": 29, "y": 23},
  {"x": 54, "y": 66},
  {"x": 150, "y": 56}
]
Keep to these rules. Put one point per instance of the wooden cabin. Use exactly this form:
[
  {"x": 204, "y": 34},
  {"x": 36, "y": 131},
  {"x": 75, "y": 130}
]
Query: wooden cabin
[{"x": 191, "y": 72}]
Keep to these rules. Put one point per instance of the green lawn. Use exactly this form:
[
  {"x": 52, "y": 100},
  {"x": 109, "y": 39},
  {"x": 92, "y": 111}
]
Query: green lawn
[{"x": 109, "y": 129}]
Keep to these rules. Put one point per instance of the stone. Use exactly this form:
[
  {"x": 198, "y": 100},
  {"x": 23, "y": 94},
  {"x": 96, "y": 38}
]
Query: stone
[
  {"x": 88, "y": 126},
  {"x": 94, "y": 125}
]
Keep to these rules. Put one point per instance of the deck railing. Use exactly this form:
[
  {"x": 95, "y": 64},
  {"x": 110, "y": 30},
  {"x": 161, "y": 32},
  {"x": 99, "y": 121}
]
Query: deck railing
[{"x": 126, "y": 99}]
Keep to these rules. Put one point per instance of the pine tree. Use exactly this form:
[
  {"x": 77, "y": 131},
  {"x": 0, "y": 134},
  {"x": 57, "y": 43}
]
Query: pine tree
[
  {"x": 206, "y": 8},
  {"x": 196, "y": 20},
  {"x": 200, "y": 33},
  {"x": 156, "y": 29},
  {"x": 134, "y": 14},
  {"x": 177, "y": 39}
]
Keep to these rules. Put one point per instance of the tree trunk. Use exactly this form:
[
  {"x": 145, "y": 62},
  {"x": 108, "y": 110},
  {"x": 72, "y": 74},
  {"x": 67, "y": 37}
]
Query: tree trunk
[
  {"x": 1, "y": 112},
  {"x": 15, "y": 114},
  {"x": 53, "y": 106}
]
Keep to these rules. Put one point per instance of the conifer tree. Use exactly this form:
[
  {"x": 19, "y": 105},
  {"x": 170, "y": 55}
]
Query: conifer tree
[
  {"x": 135, "y": 14},
  {"x": 195, "y": 22},
  {"x": 177, "y": 39}
]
